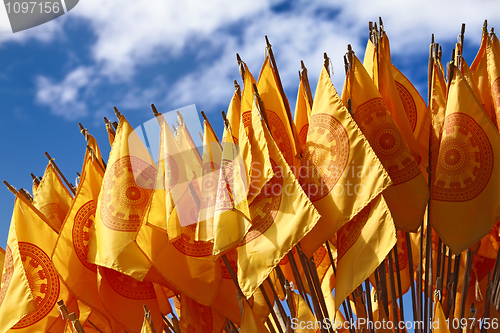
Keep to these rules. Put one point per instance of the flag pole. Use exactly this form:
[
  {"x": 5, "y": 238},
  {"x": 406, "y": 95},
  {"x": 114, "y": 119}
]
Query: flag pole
[
  {"x": 312, "y": 290},
  {"x": 304, "y": 77},
  {"x": 271, "y": 309},
  {"x": 398, "y": 277},
  {"x": 51, "y": 160},
  {"x": 298, "y": 279},
  {"x": 393, "y": 293},
  {"x": 486, "y": 315},
  {"x": 465, "y": 285}
]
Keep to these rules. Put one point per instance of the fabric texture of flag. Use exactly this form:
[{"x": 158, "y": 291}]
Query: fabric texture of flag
[
  {"x": 341, "y": 173},
  {"x": 407, "y": 196},
  {"x": 466, "y": 180}
]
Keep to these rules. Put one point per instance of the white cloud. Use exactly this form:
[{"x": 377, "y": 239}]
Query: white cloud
[
  {"x": 67, "y": 98},
  {"x": 132, "y": 35}
]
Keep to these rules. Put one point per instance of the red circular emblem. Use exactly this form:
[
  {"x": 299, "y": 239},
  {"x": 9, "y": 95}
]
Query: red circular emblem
[
  {"x": 326, "y": 158},
  {"x": 8, "y": 272},
  {"x": 265, "y": 207},
  {"x": 408, "y": 104},
  {"x": 127, "y": 286},
  {"x": 127, "y": 187},
  {"x": 53, "y": 212},
  {"x": 82, "y": 226},
  {"x": 386, "y": 140},
  {"x": 465, "y": 160},
  {"x": 42, "y": 279},
  {"x": 350, "y": 232}
]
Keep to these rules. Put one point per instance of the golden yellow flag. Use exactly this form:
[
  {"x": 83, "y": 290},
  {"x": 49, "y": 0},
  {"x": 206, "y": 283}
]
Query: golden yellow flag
[
  {"x": 493, "y": 61},
  {"x": 30, "y": 283},
  {"x": 212, "y": 156},
  {"x": 381, "y": 71},
  {"x": 437, "y": 106},
  {"x": 251, "y": 143},
  {"x": 363, "y": 244},
  {"x": 197, "y": 318},
  {"x": 341, "y": 173},
  {"x": 302, "y": 111},
  {"x": 126, "y": 189},
  {"x": 281, "y": 205},
  {"x": 249, "y": 323},
  {"x": 2, "y": 260},
  {"x": 479, "y": 69},
  {"x": 91, "y": 320},
  {"x": 305, "y": 320},
  {"x": 418, "y": 115},
  {"x": 234, "y": 115},
  {"x": 467, "y": 174},
  {"x": 276, "y": 114},
  {"x": 71, "y": 250},
  {"x": 16, "y": 299},
  {"x": 52, "y": 198},
  {"x": 407, "y": 196},
  {"x": 232, "y": 214}
]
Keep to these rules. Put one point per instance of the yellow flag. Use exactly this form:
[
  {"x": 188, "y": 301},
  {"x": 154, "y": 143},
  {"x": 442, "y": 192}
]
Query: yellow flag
[
  {"x": 467, "y": 174},
  {"x": 302, "y": 111},
  {"x": 363, "y": 244},
  {"x": 125, "y": 193},
  {"x": 234, "y": 115},
  {"x": 232, "y": 215},
  {"x": 276, "y": 114},
  {"x": 249, "y": 323},
  {"x": 2, "y": 260},
  {"x": 52, "y": 198},
  {"x": 407, "y": 196},
  {"x": 437, "y": 106},
  {"x": 281, "y": 205},
  {"x": 212, "y": 156},
  {"x": 16, "y": 299},
  {"x": 252, "y": 145},
  {"x": 479, "y": 69},
  {"x": 71, "y": 250},
  {"x": 384, "y": 81},
  {"x": 341, "y": 173},
  {"x": 124, "y": 297},
  {"x": 304, "y": 320},
  {"x": 197, "y": 318},
  {"x": 91, "y": 320},
  {"x": 417, "y": 113},
  {"x": 30, "y": 283},
  {"x": 493, "y": 60}
]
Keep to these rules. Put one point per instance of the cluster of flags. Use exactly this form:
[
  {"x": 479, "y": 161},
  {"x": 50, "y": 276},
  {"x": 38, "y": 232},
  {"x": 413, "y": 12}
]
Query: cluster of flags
[{"x": 371, "y": 194}]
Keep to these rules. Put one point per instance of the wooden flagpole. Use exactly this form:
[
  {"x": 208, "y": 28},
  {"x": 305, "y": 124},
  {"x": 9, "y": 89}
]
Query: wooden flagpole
[{"x": 51, "y": 160}]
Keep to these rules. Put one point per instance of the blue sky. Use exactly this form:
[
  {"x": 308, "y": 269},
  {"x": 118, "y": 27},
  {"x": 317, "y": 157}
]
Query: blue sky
[{"x": 130, "y": 54}]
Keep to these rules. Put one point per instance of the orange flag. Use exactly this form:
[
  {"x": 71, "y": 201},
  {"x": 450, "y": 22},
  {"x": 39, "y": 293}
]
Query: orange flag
[
  {"x": 249, "y": 322},
  {"x": 493, "y": 61},
  {"x": 381, "y": 70},
  {"x": 71, "y": 250},
  {"x": 197, "y": 318},
  {"x": 341, "y": 173},
  {"x": 407, "y": 197},
  {"x": 467, "y": 174},
  {"x": 479, "y": 69},
  {"x": 52, "y": 198},
  {"x": 30, "y": 283}
]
